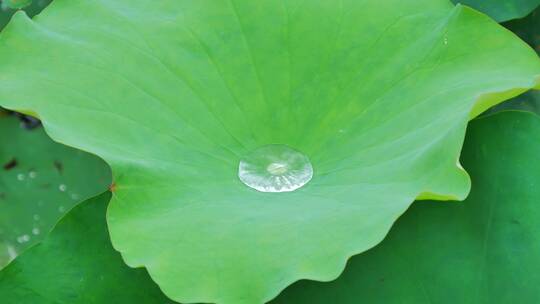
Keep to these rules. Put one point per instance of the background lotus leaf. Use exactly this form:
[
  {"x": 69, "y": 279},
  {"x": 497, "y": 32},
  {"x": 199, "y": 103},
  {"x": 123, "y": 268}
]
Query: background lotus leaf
[
  {"x": 76, "y": 264},
  {"x": 172, "y": 94},
  {"x": 40, "y": 181},
  {"x": 502, "y": 10},
  {"x": 529, "y": 101},
  {"x": 14, "y": 4}
]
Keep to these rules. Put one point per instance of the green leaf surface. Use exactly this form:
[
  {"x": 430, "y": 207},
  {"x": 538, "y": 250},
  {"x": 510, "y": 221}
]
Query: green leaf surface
[
  {"x": 484, "y": 250},
  {"x": 173, "y": 94},
  {"x": 502, "y": 10},
  {"x": 76, "y": 264},
  {"x": 40, "y": 180}
]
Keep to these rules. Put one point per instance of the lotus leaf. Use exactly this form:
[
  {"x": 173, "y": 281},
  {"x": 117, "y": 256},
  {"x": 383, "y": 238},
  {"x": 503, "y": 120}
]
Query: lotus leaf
[
  {"x": 174, "y": 94},
  {"x": 40, "y": 181}
]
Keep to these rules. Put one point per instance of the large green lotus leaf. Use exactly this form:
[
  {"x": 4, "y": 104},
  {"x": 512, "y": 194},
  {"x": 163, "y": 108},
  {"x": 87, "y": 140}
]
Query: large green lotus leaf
[
  {"x": 172, "y": 94},
  {"x": 502, "y": 10},
  {"x": 484, "y": 250},
  {"x": 76, "y": 264},
  {"x": 40, "y": 180}
]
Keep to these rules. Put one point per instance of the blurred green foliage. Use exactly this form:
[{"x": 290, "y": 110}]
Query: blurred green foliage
[{"x": 9, "y": 7}]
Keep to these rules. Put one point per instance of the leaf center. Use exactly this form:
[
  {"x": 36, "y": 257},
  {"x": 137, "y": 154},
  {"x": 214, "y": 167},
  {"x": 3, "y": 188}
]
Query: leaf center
[{"x": 275, "y": 168}]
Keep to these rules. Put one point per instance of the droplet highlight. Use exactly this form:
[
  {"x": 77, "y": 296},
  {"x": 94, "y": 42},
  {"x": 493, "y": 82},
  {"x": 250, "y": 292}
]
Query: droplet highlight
[{"x": 275, "y": 168}]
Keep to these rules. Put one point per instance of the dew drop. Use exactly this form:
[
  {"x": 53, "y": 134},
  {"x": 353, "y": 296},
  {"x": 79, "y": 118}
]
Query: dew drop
[
  {"x": 23, "y": 238},
  {"x": 61, "y": 209},
  {"x": 36, "y": 231},
  {"x": 62, "y": 187},
  {"x": 275, "y": 168},
  {"x": 32, "y": 174},
  {"x": 36, "y": 217},
  {"x": 20, "y": 176}
]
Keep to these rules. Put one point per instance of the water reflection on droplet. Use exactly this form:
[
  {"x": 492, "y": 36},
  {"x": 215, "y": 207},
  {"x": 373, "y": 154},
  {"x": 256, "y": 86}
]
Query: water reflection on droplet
[
  {"x": 62, "y": 187},
  {"x": 275, "y": 168}
]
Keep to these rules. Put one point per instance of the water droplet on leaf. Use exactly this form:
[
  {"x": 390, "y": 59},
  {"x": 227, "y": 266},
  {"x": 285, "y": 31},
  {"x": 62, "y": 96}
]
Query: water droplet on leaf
[
  {"x": 275, "y": 168},
  {"x": 23, "y": 238}
]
